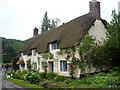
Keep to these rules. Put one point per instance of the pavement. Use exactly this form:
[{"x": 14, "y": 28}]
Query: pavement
[{"x": 6, "y": 85}]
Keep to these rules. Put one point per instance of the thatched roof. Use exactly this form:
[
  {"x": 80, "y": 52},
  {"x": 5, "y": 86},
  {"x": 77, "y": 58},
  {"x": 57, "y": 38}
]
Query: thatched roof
[{"x": 67, "y": 35}]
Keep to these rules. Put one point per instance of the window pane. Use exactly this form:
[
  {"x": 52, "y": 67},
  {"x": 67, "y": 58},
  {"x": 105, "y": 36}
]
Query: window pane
[
  {"x": 63, "y": 65},
  {"x": 54, "y": 45}
]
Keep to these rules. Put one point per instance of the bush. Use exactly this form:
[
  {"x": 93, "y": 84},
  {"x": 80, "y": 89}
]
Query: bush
[
  {"x": 42, "y": 74},
  {"x": 22, "y": 77},
  {"x": 51, "y": 75},
  {"x": 17, "y": 75},
  {"x": 23, "y": 72},
  {"x": 33, "y": 77},
  {"x": 68, "y": 81},
  {"x": 59, "y": 78}
]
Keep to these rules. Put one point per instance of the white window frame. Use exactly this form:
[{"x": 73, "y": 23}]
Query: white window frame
[
  {"x": 54, "y": 45},
  {"x": 63, "y": 68}
]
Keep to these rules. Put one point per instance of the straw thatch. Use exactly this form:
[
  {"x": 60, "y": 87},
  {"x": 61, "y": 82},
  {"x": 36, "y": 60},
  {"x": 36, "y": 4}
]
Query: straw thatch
[{"x": 67, "y": 35}]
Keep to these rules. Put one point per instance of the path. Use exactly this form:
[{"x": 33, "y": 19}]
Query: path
[{"x": 6, "y": 85}]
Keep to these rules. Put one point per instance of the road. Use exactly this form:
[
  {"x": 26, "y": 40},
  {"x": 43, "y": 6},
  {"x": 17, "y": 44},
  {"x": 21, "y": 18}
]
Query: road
[{"x": 6, "y": 85}]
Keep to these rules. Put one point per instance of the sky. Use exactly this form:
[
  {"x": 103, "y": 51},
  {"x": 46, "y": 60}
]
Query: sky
[{"x": 18, "y": 18}]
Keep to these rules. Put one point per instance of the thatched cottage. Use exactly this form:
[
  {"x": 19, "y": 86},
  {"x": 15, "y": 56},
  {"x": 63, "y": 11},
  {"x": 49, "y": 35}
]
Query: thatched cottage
[{"x": 63, "y": 37}]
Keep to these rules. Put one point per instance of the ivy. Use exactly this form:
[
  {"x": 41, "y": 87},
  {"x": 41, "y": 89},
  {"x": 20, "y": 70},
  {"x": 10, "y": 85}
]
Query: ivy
[{"x": 47, "y": 56}]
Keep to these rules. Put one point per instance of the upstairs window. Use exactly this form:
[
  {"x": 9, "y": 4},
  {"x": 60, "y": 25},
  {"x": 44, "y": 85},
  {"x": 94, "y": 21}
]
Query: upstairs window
[
  {"x": 63, "y": 66},
  {"x": 54, "y": 45},
  {"x": 34, "y": 52}
]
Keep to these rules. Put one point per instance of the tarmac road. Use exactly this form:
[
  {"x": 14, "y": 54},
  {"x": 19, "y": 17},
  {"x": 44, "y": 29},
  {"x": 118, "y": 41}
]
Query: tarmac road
[{"x": 6, "y": 85}]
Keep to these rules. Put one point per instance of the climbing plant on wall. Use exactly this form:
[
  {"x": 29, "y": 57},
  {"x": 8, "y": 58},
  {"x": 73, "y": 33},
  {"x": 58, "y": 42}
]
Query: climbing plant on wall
[
  {"x": 82, "y": 49},
  {"x": 29, "y": 64},
  {"x": 47, "y": 55}
]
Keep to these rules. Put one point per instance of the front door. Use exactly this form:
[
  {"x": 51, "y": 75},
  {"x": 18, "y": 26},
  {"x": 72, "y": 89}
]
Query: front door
[{"x": 51, "y": 66}]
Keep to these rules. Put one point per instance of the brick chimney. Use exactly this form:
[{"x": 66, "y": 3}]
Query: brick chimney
[
  {"x": 95, "y": 8},
  {"x": 35, "y": 32}
]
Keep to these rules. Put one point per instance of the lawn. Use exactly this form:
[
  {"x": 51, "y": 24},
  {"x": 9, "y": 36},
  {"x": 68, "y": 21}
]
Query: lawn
[{"x": 23, "y": 83}]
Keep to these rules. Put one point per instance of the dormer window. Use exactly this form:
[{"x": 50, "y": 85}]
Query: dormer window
[
  {"x": 34, "y": 52},
  {"x": 54, "y": 45}
]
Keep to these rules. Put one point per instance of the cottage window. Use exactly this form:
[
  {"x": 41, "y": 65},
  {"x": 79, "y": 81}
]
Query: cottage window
[
  {"x": 54, "y": 45},
  {"x": 34, "y": 52},
  {"x": 35, "y": 66},
  {"x": 63, "y": 65}
]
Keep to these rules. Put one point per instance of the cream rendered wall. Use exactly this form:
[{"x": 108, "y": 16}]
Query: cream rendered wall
[
  {"x": 34, "y": 58},
  {"x": 98, "y": 30},
  {"x": 25, "y": 58}
]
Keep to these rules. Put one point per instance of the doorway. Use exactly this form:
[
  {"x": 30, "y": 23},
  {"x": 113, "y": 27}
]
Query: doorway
[{"x": 51, "y": 66}]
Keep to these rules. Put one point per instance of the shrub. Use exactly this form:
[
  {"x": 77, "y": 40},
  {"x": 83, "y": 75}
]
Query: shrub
[
  {"x": 59, "y": 78},
  {"x": 17, "y": 75},
  {"x": 33, "y": 77},
  {"x": 23, "y": 72},
  {"x": 22, "y": 77},
  {"x": 50, "y": 75},
  {"x": 42, "y": 74},
  {"x": 68, "y": 81}
]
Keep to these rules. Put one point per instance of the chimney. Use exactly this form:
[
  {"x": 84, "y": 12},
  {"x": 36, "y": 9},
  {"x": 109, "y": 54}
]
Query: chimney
[
  {"x": 35, "y": 32},
  {"x": 95, "y": 8}
]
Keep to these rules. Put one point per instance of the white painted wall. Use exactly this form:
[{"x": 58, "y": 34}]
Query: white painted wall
[{"x": 98, "y": 31}]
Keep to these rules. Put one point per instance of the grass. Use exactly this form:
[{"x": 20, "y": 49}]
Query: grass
[{"x": 23, "y": 83}]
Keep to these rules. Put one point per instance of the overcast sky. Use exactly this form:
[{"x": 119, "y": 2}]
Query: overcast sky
[{"x": 18, "y": 18}]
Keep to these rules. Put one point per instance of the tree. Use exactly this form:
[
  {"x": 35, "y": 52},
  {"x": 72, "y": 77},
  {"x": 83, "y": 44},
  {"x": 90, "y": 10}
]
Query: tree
[
  {"x": 113, "y": 42},
  {"x": 48, "y": 24},
  {"x": 45, "y": 23},
  {"x": 54, "y": 23}
]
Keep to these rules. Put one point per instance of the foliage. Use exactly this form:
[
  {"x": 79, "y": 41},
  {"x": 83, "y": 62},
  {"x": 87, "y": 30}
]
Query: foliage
[
  {"x": 23, "y": 84},
  {"x": 72, "y": 68},
  {"x": 113, "y": 43},
  {"x": 32, "y": 77},
  {"x": 45, "y": 23},
  {"x": 59, "y": 78},
  {"x": 68, "y": 81},
  {"x": 42, "y": 74},
  {"x": 47, "y": 56},
  {"x": 29, "y": 64},
  {"x": 110, "y": 79},
  {"x": 11, "y": 48},
  {"x": 45, "y": 66},
  {"x": 20, "y": 75},
  {"x": 14, "y": 61},
  {"x": 38, "y": 60},
  {"x": 48, "y": 24},
  {"x": 50, "y": 75}
]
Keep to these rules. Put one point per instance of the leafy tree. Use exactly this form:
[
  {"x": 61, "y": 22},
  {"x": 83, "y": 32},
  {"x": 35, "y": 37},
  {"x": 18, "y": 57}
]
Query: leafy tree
[
  {"x": 45, "y": 23},
  {"x": 48, "y": 24},
  {"x": 54, "y": 23},
  {"x": 11, "y": 48},
  {"x": 113, "y": 42}
]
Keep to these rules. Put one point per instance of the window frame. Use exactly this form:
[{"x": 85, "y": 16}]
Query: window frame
[
  {"x": 54, "y": 45},
  {"x": 63, "y": 66},
  {"x": 34, "y": 52}
]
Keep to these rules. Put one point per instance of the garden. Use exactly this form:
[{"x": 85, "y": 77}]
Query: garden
[{"x": 109, "y": 79}]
